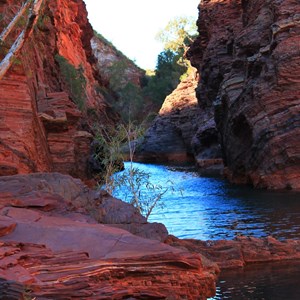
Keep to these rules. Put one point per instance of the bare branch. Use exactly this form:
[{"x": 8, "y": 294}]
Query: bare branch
[
  {"x": 18, "y": 44},
  {"x": 14, "y": 21},
  {"x": 8, "y": 59}
]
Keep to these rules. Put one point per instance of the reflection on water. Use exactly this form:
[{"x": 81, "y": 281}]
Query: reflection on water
[
  {"x": 274, "y": 281},
  {"x": 211, "y": 208}
]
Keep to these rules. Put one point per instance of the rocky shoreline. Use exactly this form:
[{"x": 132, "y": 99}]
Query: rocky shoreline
[{"x": 60, "y": 240}]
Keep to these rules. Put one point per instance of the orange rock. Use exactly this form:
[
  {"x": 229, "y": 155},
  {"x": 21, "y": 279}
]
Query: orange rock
[
  {"x": 42, "y": 129},
  {"x": 241, "y": 251},
  {"x": 6, "y": 226},
  {"x": 183, "y": 131}
]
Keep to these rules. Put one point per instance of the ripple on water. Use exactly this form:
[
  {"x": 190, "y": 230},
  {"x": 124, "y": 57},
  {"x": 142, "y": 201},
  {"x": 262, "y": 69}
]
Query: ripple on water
[{"x": 211, "y": 208}]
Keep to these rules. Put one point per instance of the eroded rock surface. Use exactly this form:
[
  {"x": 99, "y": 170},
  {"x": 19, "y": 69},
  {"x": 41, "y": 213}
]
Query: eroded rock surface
[
  {"x": 241, "y": 251},
  {"x": 108, "y": 57},
  {"x": 68, "y": 274},
  {"x": 62, "y": 195},
  {"x": 248, "y": 56},
  {"x": 52, "y": 244}
]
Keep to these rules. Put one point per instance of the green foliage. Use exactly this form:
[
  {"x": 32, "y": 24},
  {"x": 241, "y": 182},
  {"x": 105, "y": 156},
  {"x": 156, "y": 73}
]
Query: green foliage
[
  {"x": 138, "y": 189},
  {"x": 134, "y": 100},
  {"x": 42, "y": 22},
  {"x": 167, "y": 77},
  {"x": 136, "y": 183},
  {"x": 117, "y": 72},
  {"x": 74, "y": 80},
  {"x": 109, "y": 142},
  {"x": 178, "y": 34},
  {"x": 91, "y": 112},
  {"x": 130, "y": 99},
  {"x": 17, "y": 61},
  {"x": 171, "y": 63},
  {"x": 4, "y": 48}
]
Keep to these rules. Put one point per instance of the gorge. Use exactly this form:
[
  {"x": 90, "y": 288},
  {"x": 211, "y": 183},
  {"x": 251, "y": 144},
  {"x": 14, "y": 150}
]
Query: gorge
[
  {"x": 249, "y": 101},
  {"x": 62, "y": 239}
]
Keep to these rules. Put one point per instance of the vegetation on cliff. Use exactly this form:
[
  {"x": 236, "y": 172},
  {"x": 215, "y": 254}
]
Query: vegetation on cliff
[
  {"x": 137, "y": 98},
  {"x": 74, "y": 80}
]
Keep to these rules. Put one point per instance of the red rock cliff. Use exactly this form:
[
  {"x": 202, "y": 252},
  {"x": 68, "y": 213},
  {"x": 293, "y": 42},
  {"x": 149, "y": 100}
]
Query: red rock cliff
[
  {"x": 248, "y": 54},
  {"x": 48, "y": 93}
]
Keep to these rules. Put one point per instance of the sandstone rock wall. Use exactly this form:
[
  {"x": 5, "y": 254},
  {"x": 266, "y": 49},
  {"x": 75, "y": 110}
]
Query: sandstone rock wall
[
  {"x": 45, "y": 117},
  {"x": 248, "y": 56},
  {"x": 170, "y": 136},
  {"x": 184, "y": 131}
]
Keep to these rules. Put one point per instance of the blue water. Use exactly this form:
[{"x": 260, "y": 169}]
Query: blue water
[{"x": 211, "y": 208}]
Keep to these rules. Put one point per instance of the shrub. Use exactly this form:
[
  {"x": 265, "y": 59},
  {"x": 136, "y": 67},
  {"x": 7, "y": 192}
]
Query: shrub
[
  {"x": 75, "y": 81},
  {"x": 135, "y": 183}
]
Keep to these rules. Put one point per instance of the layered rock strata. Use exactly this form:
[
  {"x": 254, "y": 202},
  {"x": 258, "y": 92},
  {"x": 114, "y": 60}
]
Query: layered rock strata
[
  {"x": 61, "y": 240},
  {"x": 48, "y": 99},
  {"x": 182, "y": 131},
  {"x": 52, "y": 248},
  {"x": 248, "y": 56},
  {"x": 242, "y": 251}
]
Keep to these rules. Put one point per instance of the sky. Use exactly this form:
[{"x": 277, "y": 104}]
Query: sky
[{"x": 131, "y": 25}]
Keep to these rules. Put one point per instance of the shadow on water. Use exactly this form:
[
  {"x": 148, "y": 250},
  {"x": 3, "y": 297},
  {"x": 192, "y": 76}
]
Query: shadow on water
[{"x": 273, "y": 281}]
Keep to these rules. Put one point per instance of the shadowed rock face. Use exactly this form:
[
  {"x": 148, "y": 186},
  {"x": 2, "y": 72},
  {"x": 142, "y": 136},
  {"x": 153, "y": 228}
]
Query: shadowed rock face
[
  {"x": 248, "y": 56},
  {"x": 183, "y": 131},
  {"x": 51, "y": 243}
]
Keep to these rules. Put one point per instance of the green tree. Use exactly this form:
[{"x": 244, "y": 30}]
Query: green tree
[
  {"x": 171, "y": 63},
  {"x": 108, "y": 154},
  {"x": 178, "y": 34},
  {"x": 167, "y": 76}
]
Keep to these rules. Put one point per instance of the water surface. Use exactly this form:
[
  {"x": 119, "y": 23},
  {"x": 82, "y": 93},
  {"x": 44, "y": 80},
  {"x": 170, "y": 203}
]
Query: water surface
[
  {"x": 273, "y": 281},
  {"x": 211, "y": 208}
]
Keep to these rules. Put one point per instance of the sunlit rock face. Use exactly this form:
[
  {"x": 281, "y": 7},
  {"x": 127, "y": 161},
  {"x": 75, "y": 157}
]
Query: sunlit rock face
[
  {"x": 45, "y": 117},
  {"x": 248, "y": 55},
  {"x": 182, "y": 131}
]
